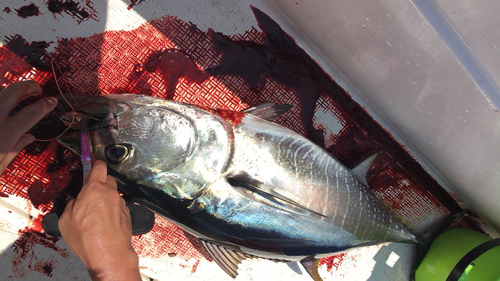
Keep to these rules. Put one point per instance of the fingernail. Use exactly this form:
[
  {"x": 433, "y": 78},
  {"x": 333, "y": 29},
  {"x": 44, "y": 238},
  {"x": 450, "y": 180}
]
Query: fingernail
[{"x": 50, "y": 101}]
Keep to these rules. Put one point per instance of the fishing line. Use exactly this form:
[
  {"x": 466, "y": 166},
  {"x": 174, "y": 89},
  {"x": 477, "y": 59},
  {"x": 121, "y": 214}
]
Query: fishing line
[
  {"x": 59, "y": 88},
  {"x": 67, "y": 87}
]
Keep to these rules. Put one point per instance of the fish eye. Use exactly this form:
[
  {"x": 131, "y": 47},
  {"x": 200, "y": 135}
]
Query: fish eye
[{"x": 117, "y": 153}]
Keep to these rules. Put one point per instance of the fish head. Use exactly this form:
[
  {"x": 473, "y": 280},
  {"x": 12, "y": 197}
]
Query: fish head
[{"x": 136, "y": 138}]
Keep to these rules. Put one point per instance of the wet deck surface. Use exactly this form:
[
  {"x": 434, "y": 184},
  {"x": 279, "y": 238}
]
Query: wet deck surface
[{"x": 209, "y": 68}]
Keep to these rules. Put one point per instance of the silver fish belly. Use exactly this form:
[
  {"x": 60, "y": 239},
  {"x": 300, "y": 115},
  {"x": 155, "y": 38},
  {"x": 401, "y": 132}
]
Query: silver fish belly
[{"x": 245, "y": 188}]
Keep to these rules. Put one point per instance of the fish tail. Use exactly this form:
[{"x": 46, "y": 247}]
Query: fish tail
[
  {"x": 424, "y": 241},
  {"x": 442, "y": 225}
]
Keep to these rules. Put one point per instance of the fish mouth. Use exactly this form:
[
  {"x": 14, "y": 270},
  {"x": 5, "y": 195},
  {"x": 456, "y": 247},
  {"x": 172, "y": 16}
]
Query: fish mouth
[
  {"x": 99, "y": 111},
  {"x": 73, "y": 120},
  {"x": 77, "y": 108}
]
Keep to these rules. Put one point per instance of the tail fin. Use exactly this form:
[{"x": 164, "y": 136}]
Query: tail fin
[
  {"x": 435, "y": 230},
  {"x": 442, "y": 225}
]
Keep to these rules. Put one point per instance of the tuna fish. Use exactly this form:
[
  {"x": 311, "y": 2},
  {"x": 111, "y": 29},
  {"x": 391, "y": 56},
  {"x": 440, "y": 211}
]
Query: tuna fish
[{"x": 243, "y": 185}]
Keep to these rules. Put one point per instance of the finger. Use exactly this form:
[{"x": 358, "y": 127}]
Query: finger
[
  {"x": 22, "y": 142},
  {"x": 111, "y": 183},
  {"x": 14, "y": 93},
  {"x": 30, "y": 115},
  {"x": 98, "y": 172}
]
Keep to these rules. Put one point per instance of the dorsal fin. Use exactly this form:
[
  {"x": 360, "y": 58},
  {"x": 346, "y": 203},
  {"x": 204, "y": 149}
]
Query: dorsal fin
[
  {"x": 268, "y": 111},
  {"x": 311, "y": 266},
  {"x": 256, "y": 186},
  {"x": 226, "y": 258},
  {"x": 361, "y": 170}
]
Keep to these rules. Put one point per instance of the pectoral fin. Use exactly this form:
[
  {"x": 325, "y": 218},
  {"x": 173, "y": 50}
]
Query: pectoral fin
[
  {"x": 311, "y": 266},
  {"x": 259, "y": 187}
]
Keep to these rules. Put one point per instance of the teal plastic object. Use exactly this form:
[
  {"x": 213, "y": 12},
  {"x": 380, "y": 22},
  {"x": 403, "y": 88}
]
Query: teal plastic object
[{"x": 447, "y": 250}]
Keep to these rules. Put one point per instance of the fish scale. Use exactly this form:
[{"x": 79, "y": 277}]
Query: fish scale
[{"x": 349, "y": 190}]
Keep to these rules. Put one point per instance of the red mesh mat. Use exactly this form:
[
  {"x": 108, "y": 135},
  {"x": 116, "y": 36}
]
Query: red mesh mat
[{"x": 210, "y": 69}]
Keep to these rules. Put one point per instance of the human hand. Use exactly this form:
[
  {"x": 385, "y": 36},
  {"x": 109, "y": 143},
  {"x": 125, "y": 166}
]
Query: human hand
[
  {"x": 97, "y": 229},
  {"x": 13, "y": 137}
]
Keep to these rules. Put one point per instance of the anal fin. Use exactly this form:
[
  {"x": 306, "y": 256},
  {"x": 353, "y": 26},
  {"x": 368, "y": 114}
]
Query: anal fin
[{"x": 226, "y": 258}]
